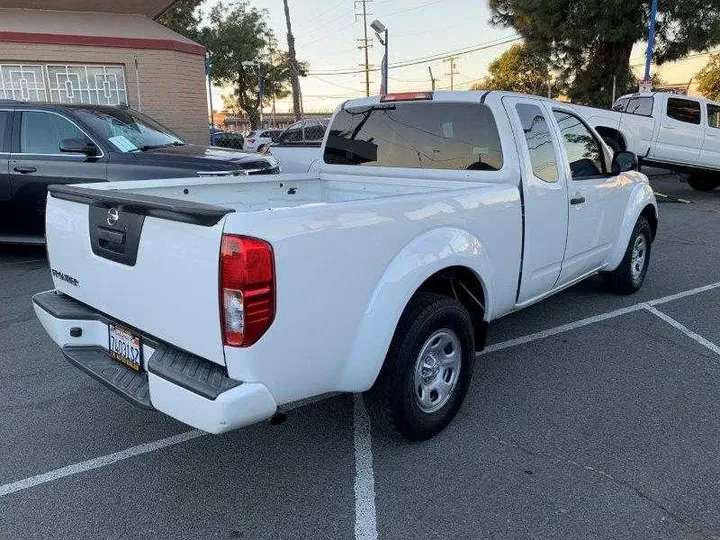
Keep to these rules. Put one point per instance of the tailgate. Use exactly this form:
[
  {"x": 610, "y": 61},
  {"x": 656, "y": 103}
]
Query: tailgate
[{"x": 149, "y": 262}]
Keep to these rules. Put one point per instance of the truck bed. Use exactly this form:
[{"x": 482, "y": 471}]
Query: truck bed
[{"x": 283, "y": 191}]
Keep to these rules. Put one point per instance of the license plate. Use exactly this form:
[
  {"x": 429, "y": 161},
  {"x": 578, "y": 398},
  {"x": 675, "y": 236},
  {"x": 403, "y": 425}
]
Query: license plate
[{"x": 125, "y": 347}]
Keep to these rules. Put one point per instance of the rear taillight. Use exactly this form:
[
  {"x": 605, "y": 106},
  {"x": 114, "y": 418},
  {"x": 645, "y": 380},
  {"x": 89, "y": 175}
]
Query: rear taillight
[
  {"x": 247, "y": 289},
  {"x": 251, "y": 141}
]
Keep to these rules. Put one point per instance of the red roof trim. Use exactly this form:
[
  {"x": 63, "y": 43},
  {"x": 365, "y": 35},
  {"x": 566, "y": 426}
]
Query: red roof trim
[{"x": 99, "y": 41}]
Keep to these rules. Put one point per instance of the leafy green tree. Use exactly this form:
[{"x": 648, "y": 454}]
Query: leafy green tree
[
  {"x": 709, "y": 78},
  {"x": 590, "y": 41},
  {"x": 233, "y": 34},
  {"x": 519, "y": 69},
  {"x": 183, "y": 17}
]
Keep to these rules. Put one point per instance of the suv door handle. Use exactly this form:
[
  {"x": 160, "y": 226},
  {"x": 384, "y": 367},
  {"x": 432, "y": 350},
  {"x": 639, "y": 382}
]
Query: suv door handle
[
  {"x": 25, "y": 170},
  {"x": 577, "y": 200}
]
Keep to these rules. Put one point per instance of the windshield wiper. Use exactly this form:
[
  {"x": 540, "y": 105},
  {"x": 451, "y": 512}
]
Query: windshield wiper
[{"x": 154, "y": 146}]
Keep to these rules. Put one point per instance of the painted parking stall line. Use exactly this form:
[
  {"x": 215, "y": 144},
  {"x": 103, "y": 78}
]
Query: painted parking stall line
[
  {"x": 684, "y": 329},
  {"x": 96, "y": 463},
  {"x": 365, "y": 512}
]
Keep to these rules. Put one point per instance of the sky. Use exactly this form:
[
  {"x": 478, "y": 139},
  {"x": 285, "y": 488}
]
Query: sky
[{"x": 327, "y": 34}]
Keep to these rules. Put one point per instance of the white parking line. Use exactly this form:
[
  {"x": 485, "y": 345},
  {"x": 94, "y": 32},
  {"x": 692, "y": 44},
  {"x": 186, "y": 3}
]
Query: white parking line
[
  {"x": 365, "y": 519},
  {"x": 365, "y": 514},
  {"x": 98, "y": 462},
  {"x": 685, "y": 330},
  {"x": 597, "y": 318}
]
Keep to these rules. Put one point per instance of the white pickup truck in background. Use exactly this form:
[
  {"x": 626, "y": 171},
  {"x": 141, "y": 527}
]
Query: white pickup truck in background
[
  {"x": 665, "y": 130},
  {"x": 218, "y": 301},
  {"x": 297, "y": 150}
]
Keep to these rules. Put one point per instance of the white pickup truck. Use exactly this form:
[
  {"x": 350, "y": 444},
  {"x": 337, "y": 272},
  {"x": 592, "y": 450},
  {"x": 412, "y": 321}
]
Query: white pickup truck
[
  {"x": 665, "y": 130},
  {"x": 217, "y": 302}
]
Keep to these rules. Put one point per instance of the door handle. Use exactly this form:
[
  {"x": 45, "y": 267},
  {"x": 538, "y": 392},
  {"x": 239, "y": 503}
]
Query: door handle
[
  {"x": 25, "y": 170},
  {"x": 577, "y": 200}
]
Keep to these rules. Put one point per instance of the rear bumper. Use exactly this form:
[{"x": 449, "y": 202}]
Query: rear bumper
[{"x": 188, "y": 388}]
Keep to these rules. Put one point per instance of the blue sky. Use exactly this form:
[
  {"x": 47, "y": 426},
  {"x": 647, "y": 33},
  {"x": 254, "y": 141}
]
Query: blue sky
[{"x": 326, "y": 35}]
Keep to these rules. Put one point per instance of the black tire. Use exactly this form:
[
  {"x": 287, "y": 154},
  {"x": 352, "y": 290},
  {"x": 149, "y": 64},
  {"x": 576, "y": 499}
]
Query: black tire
[
  {"x": 261, "y": 148},
  {"x": 628, "y": 278},
  {"x": 427, "y": 315},
  {"x": 703, "y": 182}
]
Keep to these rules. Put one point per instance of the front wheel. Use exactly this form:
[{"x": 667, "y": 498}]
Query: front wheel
[
  {"x": 702, "y": 182},
  {"x": 428, "y": 368},
  {"x": 630, "y": 275}
]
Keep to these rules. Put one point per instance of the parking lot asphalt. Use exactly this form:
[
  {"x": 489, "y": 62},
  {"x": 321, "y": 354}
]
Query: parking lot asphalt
[{"x": 608, "y": 427}]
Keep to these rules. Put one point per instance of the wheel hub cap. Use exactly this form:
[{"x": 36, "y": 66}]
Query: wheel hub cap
[
  {"x": 437, "y": 370},
  {"x": 639, "y": 254}
]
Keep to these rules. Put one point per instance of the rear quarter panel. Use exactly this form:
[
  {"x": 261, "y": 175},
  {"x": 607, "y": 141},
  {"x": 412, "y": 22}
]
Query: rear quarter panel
[{"x": 346, "y": 270}]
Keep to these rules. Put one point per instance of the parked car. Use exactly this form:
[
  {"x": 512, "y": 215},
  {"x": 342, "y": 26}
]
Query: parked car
[
  {"x": 229, "y": 139},
  {"x": 298, "y": 148},
  {"x": 430, "y": 216},
  {"x": 256, "y": 141},
  {"x": 43, "y": 144},
  {"x": 671, "y": 131}
]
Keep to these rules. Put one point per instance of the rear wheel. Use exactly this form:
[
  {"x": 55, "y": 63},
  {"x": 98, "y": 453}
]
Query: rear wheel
[
  {"x": 703, "y": 182},
  {"x": 428, "y": 368},
  {"x": 630, "y": 275}
]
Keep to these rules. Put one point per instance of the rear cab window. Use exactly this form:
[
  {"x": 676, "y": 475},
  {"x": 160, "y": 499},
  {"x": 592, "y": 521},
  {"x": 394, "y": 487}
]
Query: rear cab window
[
  {"x": 684, "y": 110},
  {"x": 416, "y": 135}
]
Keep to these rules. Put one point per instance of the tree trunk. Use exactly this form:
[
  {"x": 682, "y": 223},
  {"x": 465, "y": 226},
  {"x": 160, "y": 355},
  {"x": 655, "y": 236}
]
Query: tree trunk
[{"x": 294, "y": 68}]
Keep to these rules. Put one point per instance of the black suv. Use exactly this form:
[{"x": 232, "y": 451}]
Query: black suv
[{"x": 43, "y": 144}]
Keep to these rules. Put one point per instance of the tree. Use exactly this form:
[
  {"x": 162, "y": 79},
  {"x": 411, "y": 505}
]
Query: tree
[
  {"x": 709, "y": 78},
  {"x": 589, "y": 41},
  {"x": 235, "y": 34},
  {"x": 519, "y": 69},
  {"x": 183, "y": 17}
]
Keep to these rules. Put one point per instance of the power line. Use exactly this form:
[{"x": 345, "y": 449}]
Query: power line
[
  {"x": 415, "y": 7},
  {"x": 425, "y": 60}
]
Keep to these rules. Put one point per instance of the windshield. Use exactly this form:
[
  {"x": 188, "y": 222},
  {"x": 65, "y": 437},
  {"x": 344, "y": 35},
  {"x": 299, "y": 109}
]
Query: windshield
[{"x": 128, "y": 131}]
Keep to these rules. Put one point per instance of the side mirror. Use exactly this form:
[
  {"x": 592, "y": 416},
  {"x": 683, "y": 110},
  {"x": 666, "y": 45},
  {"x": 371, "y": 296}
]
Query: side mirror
[
  {"x": 79, "y": 146},
  {"x": 623, "y": 162}
]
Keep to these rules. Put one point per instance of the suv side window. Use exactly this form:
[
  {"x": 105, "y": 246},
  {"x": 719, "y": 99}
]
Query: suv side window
[
  {"x": 583, "y": 150},
  {"x": 5, "y": 131},
  {"x": 713, "y": 116},
  {"x": 539, "y": 142},
  {"x": 42, "y": 132},
  {"x": 684, "y": 110}
]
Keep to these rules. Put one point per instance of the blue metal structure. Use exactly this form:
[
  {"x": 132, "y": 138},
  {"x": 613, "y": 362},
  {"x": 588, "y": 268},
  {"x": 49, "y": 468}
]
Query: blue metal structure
[{"x": 651, "y": 39}]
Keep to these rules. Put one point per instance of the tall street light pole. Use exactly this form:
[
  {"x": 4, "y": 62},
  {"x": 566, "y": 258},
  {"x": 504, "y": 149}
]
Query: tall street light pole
[
  {"x": 651, "y": 39},
  {"x": 382, "y": 34}
]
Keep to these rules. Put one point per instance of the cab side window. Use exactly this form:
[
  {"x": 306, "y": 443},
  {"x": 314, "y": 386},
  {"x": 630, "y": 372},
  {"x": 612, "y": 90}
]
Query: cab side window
[
  {"x": 684, "y": 110},
  {"x": 583, "y": 150},
  {"x": 5, "y": 131},
  {"x": 42, "y": 132},
  {"x": 292, "y": 135},
  {"x": 713, "y": 116},
  {"x": 539, "y": 142}
]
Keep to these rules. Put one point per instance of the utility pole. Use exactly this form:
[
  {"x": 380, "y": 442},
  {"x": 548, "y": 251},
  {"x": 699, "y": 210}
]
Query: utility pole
[
  {"x": 294, "y": 68},
  {"x": 365, "y": 42},
  {"x": 432, "y": 79},
  {"x": 452, "y": 60}
]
